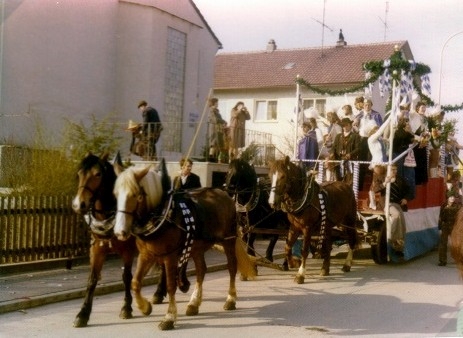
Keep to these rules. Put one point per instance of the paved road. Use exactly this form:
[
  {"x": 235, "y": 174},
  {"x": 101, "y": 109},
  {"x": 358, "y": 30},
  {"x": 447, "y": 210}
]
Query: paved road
[{"x": 413, "y": 299}]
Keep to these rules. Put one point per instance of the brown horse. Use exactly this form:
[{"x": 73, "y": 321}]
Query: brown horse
[
  {"x": 313, "y": 209},
  {"x": 456, "y": 241},
  {"x": 95, "y": 200},
  {"x": 171, "y": 228}
]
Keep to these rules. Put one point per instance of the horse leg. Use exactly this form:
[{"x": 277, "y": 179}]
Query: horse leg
[
  {"x": 271, "y": 247},
  {"x": 183, "y": 282},
  {"x": 126, "y": 310},
  {"x": 251, "y": 237},
  {"x": 197, "y": 295},
  {"x": 143, "y": 266},
  {"x": 289, "y": 261},
  {"x": 300, "y": 276},
  {"x": 326, "y": 252},
  {"x": 171, "y": 278},
  {"x": 161, "y": 290},
  {"x": 232, "y": 264},
  {"x": 348, "y": 262}
]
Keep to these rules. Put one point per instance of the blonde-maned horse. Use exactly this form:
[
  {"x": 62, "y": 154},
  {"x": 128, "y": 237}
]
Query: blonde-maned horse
[{"x": 172, "y": 227}]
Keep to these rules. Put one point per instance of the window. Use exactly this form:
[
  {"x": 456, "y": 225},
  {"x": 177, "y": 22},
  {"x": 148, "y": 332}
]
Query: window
[
  {"x": 266, "y": 110},
  {"x": 318, "y": 104}
]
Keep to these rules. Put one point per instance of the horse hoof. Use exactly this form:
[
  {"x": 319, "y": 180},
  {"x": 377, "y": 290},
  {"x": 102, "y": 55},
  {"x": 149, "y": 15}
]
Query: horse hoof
[
  {"x": 146, "y": 309},
  {"x": 80, "y": 322},
  {"x": 166, "y": 325},
  {"x": 125, "y": 314},
  {"x": 184, "y": 287},
  {"x": 157, "y": 299},
  {"x": 346, "y": 268},
  {"x": 192, "y": 310},
  {"x": 229, "y": 305},
  {"x": 324, "y": 272},
  {"x": 299, "y": 279},
  {"x": 243, "y": 278}
]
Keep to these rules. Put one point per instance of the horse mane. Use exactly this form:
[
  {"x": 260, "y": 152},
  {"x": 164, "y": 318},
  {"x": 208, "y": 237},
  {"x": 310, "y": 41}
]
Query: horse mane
[{"x": 295, "y": 175}]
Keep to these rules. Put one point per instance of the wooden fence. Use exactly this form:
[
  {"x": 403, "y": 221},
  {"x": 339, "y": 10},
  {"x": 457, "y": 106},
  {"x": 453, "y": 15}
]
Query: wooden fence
[{"x": 37, "y": 228}]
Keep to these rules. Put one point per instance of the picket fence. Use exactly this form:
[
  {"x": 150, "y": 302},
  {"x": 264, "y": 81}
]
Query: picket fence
[{"x": 38, "y": 228}]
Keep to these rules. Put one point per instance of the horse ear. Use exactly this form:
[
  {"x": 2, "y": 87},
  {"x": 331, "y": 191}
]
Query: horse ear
[
  {"x": 139, "y": 174},
  {"x": 105, "y": 156},
  {"x": 165, "y": 178},
  {"x": 287, "y": 160},
  {"x": 118, "y": 160},
  {"x": 118, "y": 168}
]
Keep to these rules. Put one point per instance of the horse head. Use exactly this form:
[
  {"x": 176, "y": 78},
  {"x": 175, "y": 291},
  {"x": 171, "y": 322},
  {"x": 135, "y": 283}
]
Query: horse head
[
  {"x": 96, "y": 178},
  {"x": 139, "y": 191},
  {"x": 287, "y": 179},
  {"x": 241, "y": 176}
]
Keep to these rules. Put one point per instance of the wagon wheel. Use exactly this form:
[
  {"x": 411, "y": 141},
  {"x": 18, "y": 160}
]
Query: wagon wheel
[{"x": 379, "y": 249}]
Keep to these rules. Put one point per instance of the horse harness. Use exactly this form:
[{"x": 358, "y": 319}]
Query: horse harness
[
  {"x": 156, "y": 221},
  {"x": 306, "y": 202}
]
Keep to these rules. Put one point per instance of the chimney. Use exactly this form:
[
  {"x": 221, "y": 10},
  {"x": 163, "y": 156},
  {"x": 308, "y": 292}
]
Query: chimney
[
  {"x": 341, "y": 42},
  {"x": 271, "y": 46}
]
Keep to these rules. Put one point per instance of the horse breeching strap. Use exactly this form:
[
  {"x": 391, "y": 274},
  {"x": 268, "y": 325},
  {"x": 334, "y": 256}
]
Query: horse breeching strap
[{"x": 190, "y": 227}]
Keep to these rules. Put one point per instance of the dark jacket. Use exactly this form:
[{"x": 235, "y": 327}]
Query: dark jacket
[{"x": 192, "y": 181}]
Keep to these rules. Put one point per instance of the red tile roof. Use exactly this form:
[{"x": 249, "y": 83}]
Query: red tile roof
[{"x": 328, "y": 66}]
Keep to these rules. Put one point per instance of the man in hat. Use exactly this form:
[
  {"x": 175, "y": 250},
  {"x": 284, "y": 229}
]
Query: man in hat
[
  {"x": 152, "y": 128},
  {"x": 345, "y": 147},
  {"x": 447, "y": 216},
  {"x": 136, "y": 130}
]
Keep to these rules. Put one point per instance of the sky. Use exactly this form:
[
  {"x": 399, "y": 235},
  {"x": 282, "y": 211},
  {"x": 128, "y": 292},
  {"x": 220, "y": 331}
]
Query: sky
[{"x": 429, "y": 26}]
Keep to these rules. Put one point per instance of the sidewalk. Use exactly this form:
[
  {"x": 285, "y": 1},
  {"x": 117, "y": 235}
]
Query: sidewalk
[{"x": 25, "y": 290}]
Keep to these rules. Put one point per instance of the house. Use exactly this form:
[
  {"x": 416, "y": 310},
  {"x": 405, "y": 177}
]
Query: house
[
  {"x": 265, "y": 81},
  {"x": 77, "y": 59}
]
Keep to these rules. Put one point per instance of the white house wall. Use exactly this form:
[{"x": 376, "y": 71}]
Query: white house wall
[
  {"x": 73, "y": 59},
  {"x": 58, "y": 61},
  {"x": 282, "y": 129}
]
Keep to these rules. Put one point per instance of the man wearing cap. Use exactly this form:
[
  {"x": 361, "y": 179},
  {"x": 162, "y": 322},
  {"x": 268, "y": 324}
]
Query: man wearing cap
[
  {"x": 345, "y": 147},
  {"x": 152, "y": 128},
  {"x": 447, "y": 217}
]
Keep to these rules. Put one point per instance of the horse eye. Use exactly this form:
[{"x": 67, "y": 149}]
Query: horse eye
[{"x": 98, "y": 174}]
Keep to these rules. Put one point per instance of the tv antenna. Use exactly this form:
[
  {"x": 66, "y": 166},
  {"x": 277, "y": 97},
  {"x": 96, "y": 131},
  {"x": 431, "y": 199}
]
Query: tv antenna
[
  {"x": 323, "y": 25},
  {"x": 385, "y": 20}
]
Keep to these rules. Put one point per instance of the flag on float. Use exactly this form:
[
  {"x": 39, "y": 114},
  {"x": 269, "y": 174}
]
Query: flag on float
[
  {"x": 385, "y": 79},
  {"x": 425, "y": 85},
  {"x": 299, "y": 110}
]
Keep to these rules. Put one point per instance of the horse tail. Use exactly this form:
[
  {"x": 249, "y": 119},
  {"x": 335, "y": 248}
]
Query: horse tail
[
  {"x": 456, "y": 241},
  {"x": 246, "y": 266}
]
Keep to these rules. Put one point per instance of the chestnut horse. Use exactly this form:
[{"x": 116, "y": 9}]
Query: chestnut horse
[
  {"x": 313, "y": 209},
  {"x": 171, "y": 228},
  {"x": 251, "y": 196},
  {"x": 95, "y": 201}
]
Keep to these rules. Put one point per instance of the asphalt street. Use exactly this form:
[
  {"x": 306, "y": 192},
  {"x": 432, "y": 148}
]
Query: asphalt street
[{"x": 411, "y": 299}]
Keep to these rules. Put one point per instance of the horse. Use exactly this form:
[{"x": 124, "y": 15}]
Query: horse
[
  {"x": 456, "y": 241},
  {"x": 251, "y": 196},
  {"x": 172, "y": 227},
  {"x": 313, "y": 208},
  {"x": 96, "y": 202}
]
